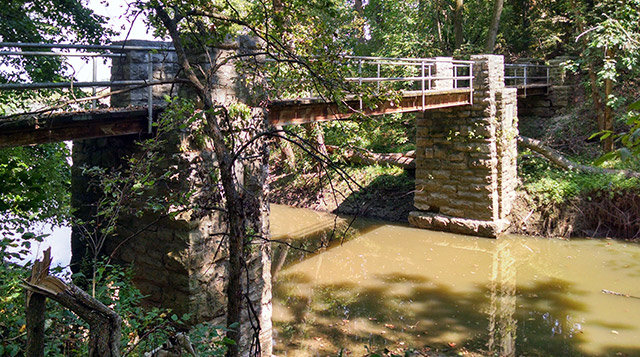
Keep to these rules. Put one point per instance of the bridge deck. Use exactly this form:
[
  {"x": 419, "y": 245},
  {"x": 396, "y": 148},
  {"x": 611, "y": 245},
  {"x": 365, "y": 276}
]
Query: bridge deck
[
  {"x": 308, "y": 110},
  {"x": 74, "y": 125},
  {"x": 125, "y": 121},
  {"x": 532, "y": 89}
]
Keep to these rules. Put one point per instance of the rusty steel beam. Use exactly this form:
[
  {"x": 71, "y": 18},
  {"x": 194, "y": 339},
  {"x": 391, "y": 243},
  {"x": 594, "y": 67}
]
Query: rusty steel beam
[
  {"x": 73, "y": 126},
  {"x": 311, "y": 110}
]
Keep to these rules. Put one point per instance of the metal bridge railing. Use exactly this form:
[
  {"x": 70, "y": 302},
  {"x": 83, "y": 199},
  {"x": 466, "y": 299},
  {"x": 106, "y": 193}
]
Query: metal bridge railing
[
  {"x": 425, "y": 75},
  {"x": 414, "y": 73},
  {"x": 525, "y": 74},
  {"x": 87, "y": 52},
  {"x": 405, "y": 74}
]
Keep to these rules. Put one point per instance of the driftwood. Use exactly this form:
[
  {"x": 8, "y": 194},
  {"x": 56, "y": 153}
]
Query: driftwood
[
  {"x": 605, "y": 291},
  {"x": 365, "y": 157},
  {"x": 104, "y": 323},
  {"x": 557, "y": 158}
]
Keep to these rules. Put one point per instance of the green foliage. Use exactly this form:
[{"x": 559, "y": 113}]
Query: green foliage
[
  {"x": 549, "y": 185},
  {"x": 629, "y": 150},
  {"x": 35, "y": 182},
  {"x": 66, "y": 335},
  {"x": 388, "y": 133}
]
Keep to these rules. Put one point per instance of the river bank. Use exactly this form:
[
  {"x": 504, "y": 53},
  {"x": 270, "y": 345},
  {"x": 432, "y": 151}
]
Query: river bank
[{"x": 542, "y": 208}]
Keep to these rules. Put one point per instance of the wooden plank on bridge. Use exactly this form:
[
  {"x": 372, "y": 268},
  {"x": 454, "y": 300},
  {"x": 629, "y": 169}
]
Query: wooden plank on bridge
[
  {"x": 73, "y": 126},
  {"x": 309, "y": 110}
]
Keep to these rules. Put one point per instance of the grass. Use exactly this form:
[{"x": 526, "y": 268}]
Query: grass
[{"x": 548, "y": 184}]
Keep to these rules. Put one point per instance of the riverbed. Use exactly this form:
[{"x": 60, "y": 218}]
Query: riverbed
[{"x": 384, "y": 285}]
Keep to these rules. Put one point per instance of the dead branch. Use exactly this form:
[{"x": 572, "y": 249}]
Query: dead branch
[{"x": 104, "y": 323}]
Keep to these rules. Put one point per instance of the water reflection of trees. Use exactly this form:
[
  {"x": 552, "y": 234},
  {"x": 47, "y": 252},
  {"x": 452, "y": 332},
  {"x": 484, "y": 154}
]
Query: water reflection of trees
[{"x": 499, "y": 319}]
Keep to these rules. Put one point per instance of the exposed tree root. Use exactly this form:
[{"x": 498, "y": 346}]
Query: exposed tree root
[{"x": 558, "y": 159}]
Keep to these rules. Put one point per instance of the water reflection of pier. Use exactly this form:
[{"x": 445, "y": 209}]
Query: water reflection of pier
[
  {"x": 502, "y": 292},
  {"x": 502, "y": 289}
]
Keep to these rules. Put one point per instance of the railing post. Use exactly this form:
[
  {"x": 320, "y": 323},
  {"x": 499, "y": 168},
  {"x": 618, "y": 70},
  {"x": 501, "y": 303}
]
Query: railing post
[
  {"x": 525, "y": 80},
  {"x": 94, "y": 76},
  {"x": 150, "y": 92},
  {"x": 471, "y": 82},
  {"x": 547, "y": 75},
  {"x": 360, "y": 79},
  {"x": 422, "y": 75},
  {"x": 378, "y": 77}
]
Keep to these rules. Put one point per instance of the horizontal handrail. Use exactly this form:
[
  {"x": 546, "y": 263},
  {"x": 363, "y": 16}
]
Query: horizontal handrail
[
  {"x": 94, "y": 84},
  {"x": 60, "y": 54},
  {"x": 72, "y": 84},
  {"x": 86, "y": 47},
  {"x": 530, "y": 75},
  {"x": 368, "y": 69}
]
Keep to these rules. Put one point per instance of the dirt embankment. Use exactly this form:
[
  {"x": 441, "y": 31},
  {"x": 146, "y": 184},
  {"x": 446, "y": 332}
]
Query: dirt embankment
[
  {"x": 385, "y": 197},
  {"x": 595, "y": 215},
  {"x": 598, "y": 214}
]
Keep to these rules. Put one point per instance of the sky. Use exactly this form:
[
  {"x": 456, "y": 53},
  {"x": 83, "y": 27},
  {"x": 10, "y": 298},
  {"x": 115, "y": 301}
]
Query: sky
[
  {"x": 60, "y": 237},
  {"x": 115, "y": 10}
]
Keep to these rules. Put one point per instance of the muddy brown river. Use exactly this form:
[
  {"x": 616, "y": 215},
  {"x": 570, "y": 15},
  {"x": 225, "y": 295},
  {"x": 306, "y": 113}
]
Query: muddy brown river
[{"x": 389, "y": 285}]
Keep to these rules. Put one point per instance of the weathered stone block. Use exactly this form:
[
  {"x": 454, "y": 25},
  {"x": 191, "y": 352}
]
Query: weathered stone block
[{"x": 441, "y": 222}]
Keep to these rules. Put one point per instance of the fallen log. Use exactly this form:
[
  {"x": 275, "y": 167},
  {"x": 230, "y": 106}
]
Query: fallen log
[
  {"x": 366, "y": 157},
  {"x": 561, "y": 161}
]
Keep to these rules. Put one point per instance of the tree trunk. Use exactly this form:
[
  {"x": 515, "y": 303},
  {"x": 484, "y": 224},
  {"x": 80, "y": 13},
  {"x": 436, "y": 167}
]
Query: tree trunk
[
  {"x": 457, "y": 23},
  {"x": 607, "y": 119},
  {"x": 495, "y": 25},
  {"x": 316, "y": 135},
  {"x": 365, "y": 157},
  {"x": 357, "y": 5},
  {"x": 36, "y": 308},
  {"x": 285, "y": 148},
  {"x": 104, "y": 323},
  {"x": 438, "y": 22},
  {"x": 35, "y": 324}
]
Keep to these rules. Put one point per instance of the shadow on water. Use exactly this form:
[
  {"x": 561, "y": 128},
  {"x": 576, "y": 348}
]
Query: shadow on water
[
  {"x": 393, "y": 310},
  {"x": 308, "y": 242},
  {"x": 349, "y": 316}
]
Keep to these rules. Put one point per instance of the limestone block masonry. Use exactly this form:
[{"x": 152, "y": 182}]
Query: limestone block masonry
[
  {"x": 181, "y": 263},
  {"x": 466, "y": 170}
]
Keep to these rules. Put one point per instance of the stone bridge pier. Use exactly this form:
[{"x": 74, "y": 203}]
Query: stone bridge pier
[
  {"x": 180, "y": 262},
  {"x": 466, "y": 170}
]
